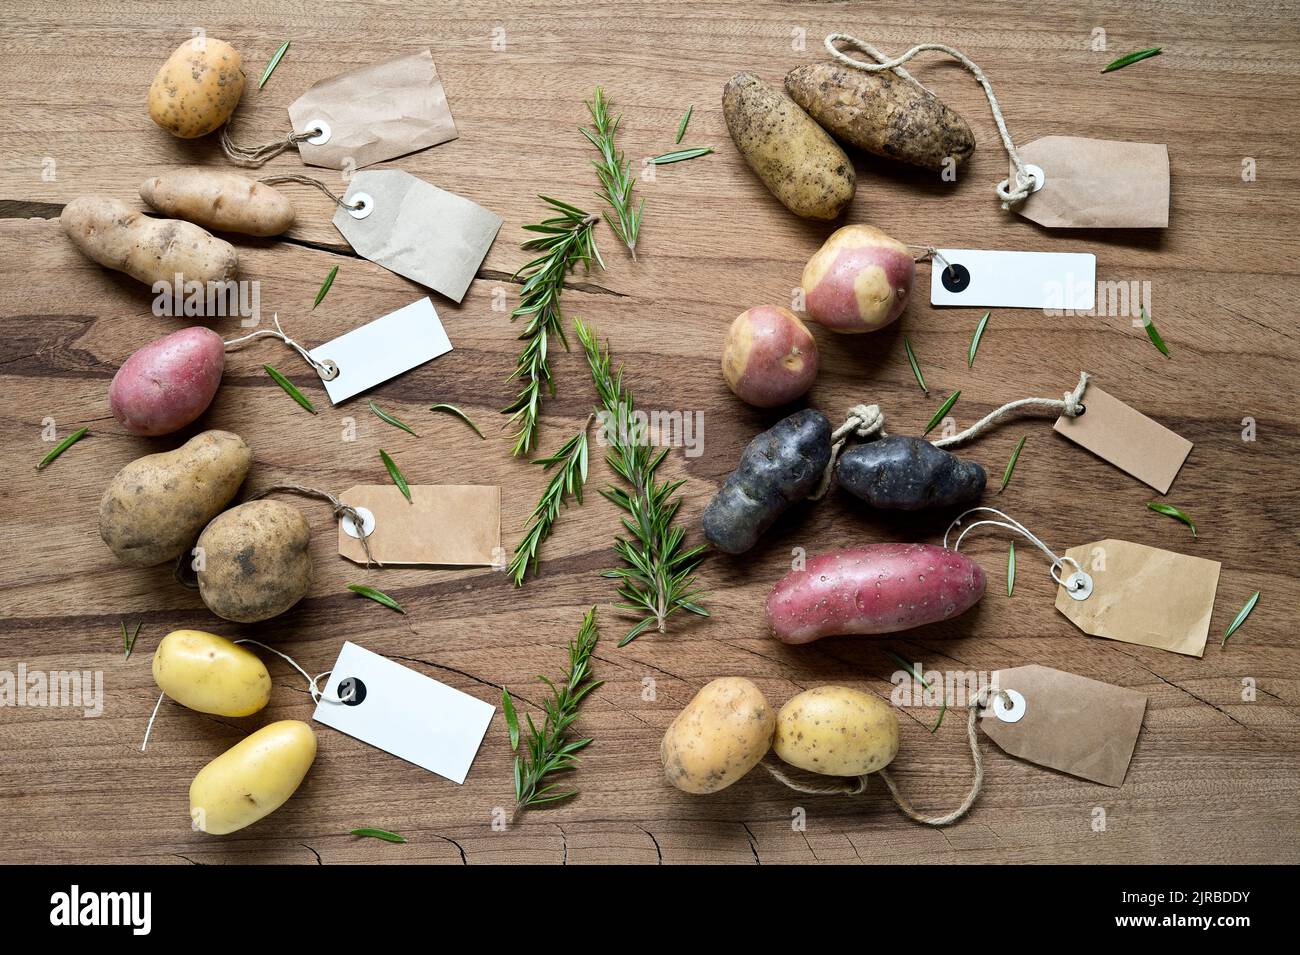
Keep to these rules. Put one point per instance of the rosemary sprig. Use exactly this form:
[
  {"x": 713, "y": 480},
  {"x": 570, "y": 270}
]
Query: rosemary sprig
[
  {"x": 658, "y": 578},
  {"x": 395, "y": 473},
  {"x": 916, "y": 368},
  {"x": 1238, "y": 620},
  {"x": 290, "y": 389},
  {"x": 378, "y": 596},
  {"x": 1130, "y": 58},
  {"x": 686, "y": 121},
  {"x": 1170, "y": 511},
  {"x": 62, "y": 446},
  {"x": 549, "y": 750},
  {"x": 387, "y": 418},
  {"x": 614, "y": 172},
  {"x": 372, "y": 833},
  {"x": 275, "y": 61},
  {"x": 567, "y": 482},
  {"x": 452, "y": 409},
  {"x": 325, "y": 286},
  {"x": 564, "y": 240}
]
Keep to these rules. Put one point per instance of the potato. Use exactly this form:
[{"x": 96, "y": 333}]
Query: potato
[
  {"x": 836, "y": 731},
  {"x": 779, "y": 468},
  {"x": 168, "y": 383},
  {"x": 794, "y": 157},
  {"x": 770, "y": 357},
  {"x": 256, "y": 563},
  {"x": 156, "y": 505},
  {"x": 198, "y": 87},
  {"x": 858, "y": 281},
  {"x": 224, "y": 201},
  {"x": 210, "y": 674},
  {"x": 721, "y": 735},
  {"x": 879, "y": 588},
  {"x": 110, "y": 232},
  {"x": 883, "y": 114},
  {"x": 253, "y": 778},
  {"x": 902, "y": 473}
]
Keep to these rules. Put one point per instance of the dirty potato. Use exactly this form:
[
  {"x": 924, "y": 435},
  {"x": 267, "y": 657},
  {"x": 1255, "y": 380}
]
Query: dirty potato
[
  {"x": 255, "y": 561},
  {"x": 198, "y": 87}
]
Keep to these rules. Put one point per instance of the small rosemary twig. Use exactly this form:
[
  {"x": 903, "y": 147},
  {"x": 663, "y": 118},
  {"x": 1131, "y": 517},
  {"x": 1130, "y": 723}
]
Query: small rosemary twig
[
  {"x": 567, "y": 481},
  {"x": 615, "y": 172}
]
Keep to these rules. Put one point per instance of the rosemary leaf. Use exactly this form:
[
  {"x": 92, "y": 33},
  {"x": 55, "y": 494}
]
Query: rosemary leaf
[
  {"x": 290, "y": 388},
  {"x": 1170, "y": 511},
  {"x": 378, "y": 596},
  {"x": 686, "y": 119},
  {"x": 614, "y": 172},
  {"x": 1011, "y": 569},
  {"x": 911, "y": 360},
  {"x": 377, "y": 834},
  {"x": 512, "y": 718},
  {"x": 325, "y": 286},
  {"x": 1154, "y": 334},
  {"x": 975, "y": 340},
  {"x": 128, "y": 642},
  {"x": 62, "y": 446},
  {"x": 568, "y": 481},
  {"x": 909, "y": 668},
  {"x": 943, "y": 708},
  {"x": 1238, "y": 620},
  {"x": 395, "y": 474},
  {"x": 459, "y": 414},
  {"x": 275, "y": 61},
  {"x": 389, "y": 419},
  {"x": 679, "y": 155},
  {"x": 1011, "y": 465},
  {"x": 943, "y": 410},
  {"x": 1129, "y": 58}
]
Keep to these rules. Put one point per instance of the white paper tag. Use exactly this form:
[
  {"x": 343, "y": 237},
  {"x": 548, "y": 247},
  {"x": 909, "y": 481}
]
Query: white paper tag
[
  {"x": 404, "y": 713},
  {"x": 1057, "y": 281},
  {"x": 382, "y": 349}
]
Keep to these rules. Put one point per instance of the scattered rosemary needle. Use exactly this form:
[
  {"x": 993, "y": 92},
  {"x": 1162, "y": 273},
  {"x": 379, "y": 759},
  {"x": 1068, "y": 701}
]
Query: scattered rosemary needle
[
  {"x": 614, "y": 172},
  {"x": 128, "y": 642},
  {"x": 1154, "y": 334},
  {"x": 383, "y": 834},
  {"x": 568, "y": 481},
  {"x": 909, "y": 668},
  {"x": 911, "y": 360},
  {"x": 658, "y": 576},
  {"x": 686, "y": 119},
  {"x": 975, "y": 340},
  {"x": 385, "y": 417},
  {"x": 290, "y": 388},
  {"x": 1238, "y": 620},
  {"x": 378, "y": 596},
  {"x": 1129, "y": 58},
  {"x": 680, "y": 155},
  {"x": 325, "y": 286},
  {"x": 943, "y": 708},
  {"x": 62, "y": 446},
  {"x": 1170, "y": 511},
  {"x": 943, "y": 410},
  {"x": 275, "y": 61},
  {"x": 548, "y": 750},
  {"x": 1011, "y": 569},
  {"x": 1011, "y": 465},
  {"x": 395, "y": 474},
  {"x": 452, "y": 409}
]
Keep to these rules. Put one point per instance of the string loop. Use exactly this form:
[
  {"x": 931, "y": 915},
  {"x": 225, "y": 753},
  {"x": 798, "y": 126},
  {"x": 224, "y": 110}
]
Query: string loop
[
  {"x": 328, "y": 370},
  {"x": 259, "y": 155},
  {"x": 1010, "y": 523}
]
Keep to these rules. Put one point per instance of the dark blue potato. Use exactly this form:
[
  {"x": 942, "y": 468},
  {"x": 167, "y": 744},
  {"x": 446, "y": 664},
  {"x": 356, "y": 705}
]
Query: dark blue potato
[
  {"x": 899, "y": 473},
  {"x": 780, "y": 467}
]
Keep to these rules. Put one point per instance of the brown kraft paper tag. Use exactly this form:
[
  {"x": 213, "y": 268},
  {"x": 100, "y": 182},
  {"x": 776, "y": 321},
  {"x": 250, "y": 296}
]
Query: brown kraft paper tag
[
  {"x": 1143, "y": 595},
  {"x": 374, "y": 113},
  {"x": 1127, "y": 439},
  {"x": 454, "y": 525},
  {"x": 1068, "y": 723},
  {"x": 1097, "y": 184}
]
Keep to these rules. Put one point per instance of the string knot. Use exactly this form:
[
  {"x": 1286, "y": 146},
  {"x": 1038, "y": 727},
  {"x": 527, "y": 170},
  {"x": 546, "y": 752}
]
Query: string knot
[
  {"x": 1074, "y": 399},
  {"x": 864, "y": 421}
]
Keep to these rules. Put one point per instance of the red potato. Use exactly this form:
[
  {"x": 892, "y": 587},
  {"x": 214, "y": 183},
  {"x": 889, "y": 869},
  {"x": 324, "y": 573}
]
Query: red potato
[
  {"x": 880, "y": 588},
  {"x": 770, "y": 357},
  {"x": 858, "y": 281},
  {"x": 168, "y": 383}
]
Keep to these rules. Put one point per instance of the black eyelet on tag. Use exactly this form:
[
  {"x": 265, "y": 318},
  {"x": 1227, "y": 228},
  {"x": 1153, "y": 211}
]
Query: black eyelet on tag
[
  {"x": 955, "y": 277},
  {"x": 351, "y": 691}
]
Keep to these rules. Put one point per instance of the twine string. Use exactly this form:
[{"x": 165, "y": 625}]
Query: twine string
[
  {"x": 327, "y": 370},
  {"x": 316, "y": 183},
  {"x": 259, "y": 155},
  {"x": 341, "y": 511},
  {"x": 1011, "y": 524}
]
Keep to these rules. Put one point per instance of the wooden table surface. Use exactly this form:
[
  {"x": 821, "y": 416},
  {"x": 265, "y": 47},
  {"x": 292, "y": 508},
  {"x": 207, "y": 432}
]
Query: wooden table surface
[{"x": 1214, "y": 777}]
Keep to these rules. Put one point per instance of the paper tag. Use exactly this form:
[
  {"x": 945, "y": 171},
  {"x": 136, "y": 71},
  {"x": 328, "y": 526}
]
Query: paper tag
[
  {"x": 379, "y": 350},
  {"x": 443, "y": 525},
  {"x": 374, "y": 113},
  {"x": 1127, "y": 439},
  {"x": 1068, "y": 723},
  {"x": 417, "y": 230},
  {"x": 403, "y": 712},
  {"x": 1097, "y": 184},
  {"x": 994, "y": 279},
  {"x": 1144, "y": 595}
]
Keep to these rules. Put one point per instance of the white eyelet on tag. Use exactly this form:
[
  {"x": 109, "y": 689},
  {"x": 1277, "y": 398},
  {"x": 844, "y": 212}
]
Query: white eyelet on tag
[
  {"x": 1008, "y": 714},
  {"x": 1078, "y": 585},
  {"x": 322, "y": 130},
  {"x": 1037, "y": 173},
  {"x": 367, "y": 523},
  {"x": 364, "y": 205},
  {"x": 328, "y": 370}
]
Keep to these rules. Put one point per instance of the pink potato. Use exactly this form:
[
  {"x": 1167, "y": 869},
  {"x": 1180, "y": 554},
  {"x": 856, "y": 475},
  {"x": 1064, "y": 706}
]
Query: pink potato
[
  {"x": 770, "y": 357},
  {"x": 880, "y": 588},
  {"x": 168, "y": 383},
  {"x": 858, "y": 281}
]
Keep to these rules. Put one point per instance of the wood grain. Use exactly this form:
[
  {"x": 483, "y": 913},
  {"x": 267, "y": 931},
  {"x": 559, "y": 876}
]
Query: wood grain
[{"x": 1214, "y": 778}]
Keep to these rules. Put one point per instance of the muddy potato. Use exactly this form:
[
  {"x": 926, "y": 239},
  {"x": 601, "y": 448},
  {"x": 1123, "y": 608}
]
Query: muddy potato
[
  {"x": 253, "y": 778},
  {"x": 720, "y": 736},
  {"x": 168, "y": 383},
  {"x": 156, "y": 505},
  {"x": 256, "y": 563},
  {"x": 836, "y": 731},
  {"x": 198, "y": 87},
  {"x": 769, "y": 357},
  {"x": 858, "y": 281},
  {"x": 219, "y": 200},
  {"x": 211, "y": 674},
  {"x": 794, "y": 157}
]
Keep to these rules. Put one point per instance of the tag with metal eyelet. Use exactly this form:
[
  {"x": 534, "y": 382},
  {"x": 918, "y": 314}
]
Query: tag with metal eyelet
[
  {"x": 1012, "y": 712},
  {"x": 328, "y": 371},
  {"x": 1078, "y": 585},
  {"x": 322, "y": 131},
  {"x": 1038, "y": 176},
  {"x": 362, "y": 205},
  {"x": 367, "y": 523}
]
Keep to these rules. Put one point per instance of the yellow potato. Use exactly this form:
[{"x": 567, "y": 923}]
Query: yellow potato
[
  {"x": 253, "y": 778},
  {"x": 210, "y": 674},
  {"x": 197, "y": 89},
  {"x": 836, "y": 731},
  {"x": 220, "y": 200},
  {"x": 719, "y": 737}
]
